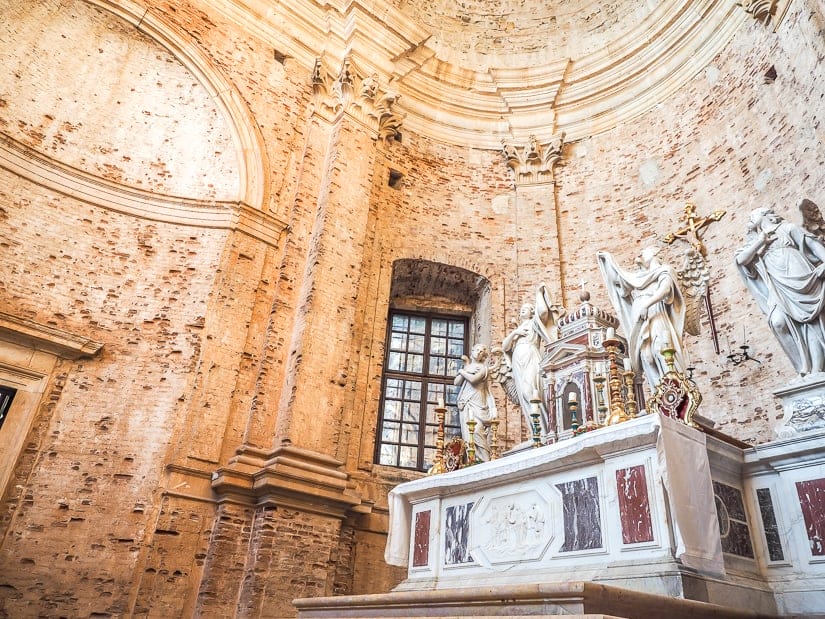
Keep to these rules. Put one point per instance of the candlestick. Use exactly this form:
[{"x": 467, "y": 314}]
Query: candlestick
[
  {"x": 494, "y": 455},
  {"x": 471, "y": 445}
]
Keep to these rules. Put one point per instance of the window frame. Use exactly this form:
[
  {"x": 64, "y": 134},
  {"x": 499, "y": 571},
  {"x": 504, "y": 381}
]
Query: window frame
[{"x": 425, "y": 378}]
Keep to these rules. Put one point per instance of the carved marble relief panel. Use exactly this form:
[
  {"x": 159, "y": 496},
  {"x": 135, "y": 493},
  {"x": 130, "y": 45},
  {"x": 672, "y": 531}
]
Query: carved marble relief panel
[
  {"x": 812, "y": 501},
  {"x": 634, "y": 505},
  {"x": 733, "y": 521},
  {"x": 513, "y": 527},
  {"x": 421, "y": 539},
  {"x": 456, "y": 534},
  {"x": 773, "y": 540},
  {"x": 582, "y": 514}
]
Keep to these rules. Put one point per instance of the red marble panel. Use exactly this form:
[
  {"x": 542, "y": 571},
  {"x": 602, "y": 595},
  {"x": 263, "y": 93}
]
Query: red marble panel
[
  {"x": 812, "y": 500},
  {"x": 421, "y": 539},
  {"x": 634, "y": 505}
]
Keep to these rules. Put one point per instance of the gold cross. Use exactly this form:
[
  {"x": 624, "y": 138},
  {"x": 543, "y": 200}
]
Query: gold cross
[{"x": 693, "y": 226}]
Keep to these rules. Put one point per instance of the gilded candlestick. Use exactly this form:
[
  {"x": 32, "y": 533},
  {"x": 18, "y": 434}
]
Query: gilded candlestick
[
  {"x": 494, "y": 455},
  {"x": 471, "y": 444}
]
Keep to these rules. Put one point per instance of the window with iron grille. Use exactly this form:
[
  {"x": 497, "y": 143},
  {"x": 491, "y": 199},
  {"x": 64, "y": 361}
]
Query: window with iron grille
[
  {"x": 423, "y": 356},
  {"x": 6, "y": 397}
]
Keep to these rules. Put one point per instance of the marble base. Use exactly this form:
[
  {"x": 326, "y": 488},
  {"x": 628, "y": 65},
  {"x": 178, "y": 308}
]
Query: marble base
[
  {"x": 803, "y": 402},
  {"x": 569, "y": 600}
]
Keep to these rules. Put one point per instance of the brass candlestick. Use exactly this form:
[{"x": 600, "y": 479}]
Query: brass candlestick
[
  {"x": 617, "y": 409},
  {"x": 471, "y": 444},
  {"x": 438, "y": 460},
  {"x": 494, "y": 455},
  {"x": 573, "y": 405},
  {"x": 630, "y": 403}
]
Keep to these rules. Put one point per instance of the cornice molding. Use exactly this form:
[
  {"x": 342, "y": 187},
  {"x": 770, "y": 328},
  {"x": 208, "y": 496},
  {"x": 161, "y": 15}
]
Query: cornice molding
[
  {"x": 55, "y": 176},
  {"x": 30, "y": 334},
  {"x": 479, "y": 107}
]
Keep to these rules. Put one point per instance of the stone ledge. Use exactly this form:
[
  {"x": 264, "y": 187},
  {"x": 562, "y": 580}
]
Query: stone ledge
[
  {"x": 577, "y": 598},
  {"x": 43, "y": 337}
]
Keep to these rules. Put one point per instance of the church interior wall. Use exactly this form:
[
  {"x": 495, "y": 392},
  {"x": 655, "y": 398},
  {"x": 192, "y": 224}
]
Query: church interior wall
[{"x": 214, "y": 339}]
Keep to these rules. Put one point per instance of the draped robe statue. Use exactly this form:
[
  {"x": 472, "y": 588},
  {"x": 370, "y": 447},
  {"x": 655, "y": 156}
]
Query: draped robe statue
[
  {"x": 475, "y": 400},
  {"x": 523, "y": 348},
  {"x": 651, "y": 311},
  {"x": 783, "y": 267}
]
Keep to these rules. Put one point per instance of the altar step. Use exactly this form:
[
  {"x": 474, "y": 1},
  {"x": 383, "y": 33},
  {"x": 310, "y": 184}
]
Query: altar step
[{"x": 583, "y": 600}]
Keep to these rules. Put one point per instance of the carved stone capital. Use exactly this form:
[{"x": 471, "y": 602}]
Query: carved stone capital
[
  {"x": 761, "y": 10},
  {"x": 533, "y": 164},
  {"x": 358, "y": 94}
]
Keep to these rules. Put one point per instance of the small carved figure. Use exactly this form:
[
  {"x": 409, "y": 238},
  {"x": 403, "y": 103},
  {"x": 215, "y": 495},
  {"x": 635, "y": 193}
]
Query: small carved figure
[
  {"x": 523, "y": 351},
  {"x": 369, "y": 87},
  {"x": 651, "y": 310},
  {"x": 475, "y": 401},
  {"x": 784, "y": 268}
]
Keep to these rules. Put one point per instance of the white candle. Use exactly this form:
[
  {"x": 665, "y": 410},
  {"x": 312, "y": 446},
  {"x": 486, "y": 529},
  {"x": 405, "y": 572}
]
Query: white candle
[
  {"x": 441, "y": 401},
  {"x": 572, "y": 397},
  {"x": 536, "y": 397},
  {"x": 627, "y": 365},
  {"x": 611, "y": 333}
]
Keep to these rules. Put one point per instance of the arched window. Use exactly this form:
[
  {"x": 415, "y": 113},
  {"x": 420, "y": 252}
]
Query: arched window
[{"x": 435, "y": 310}]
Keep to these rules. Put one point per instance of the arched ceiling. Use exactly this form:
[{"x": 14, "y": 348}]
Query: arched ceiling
[{"x": 476, "y": 72}]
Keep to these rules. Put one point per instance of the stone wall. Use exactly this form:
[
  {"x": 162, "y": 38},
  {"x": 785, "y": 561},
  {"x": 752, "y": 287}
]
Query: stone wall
[{"x": 223, "y": 343}]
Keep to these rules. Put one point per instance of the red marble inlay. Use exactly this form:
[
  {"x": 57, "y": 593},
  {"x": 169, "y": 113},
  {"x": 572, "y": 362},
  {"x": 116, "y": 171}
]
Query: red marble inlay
[
  {"x": 421, "y": 539},
  {"x": 812, "y": 500},
  {"x": 634, "y": 507}
]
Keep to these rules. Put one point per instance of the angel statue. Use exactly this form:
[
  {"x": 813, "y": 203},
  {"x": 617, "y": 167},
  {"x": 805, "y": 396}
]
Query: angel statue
[
  {"x": 651, "y": 310},
  {"x": 475, "y": 400},
  {"x": 784, "y": 267},
  {"x": 521, "y": 376}
]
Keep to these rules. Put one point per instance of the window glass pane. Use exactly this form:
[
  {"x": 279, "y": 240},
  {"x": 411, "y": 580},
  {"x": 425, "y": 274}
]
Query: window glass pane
[
  {"x": 438, "y": 366},
  {"x": 416, "y": 343},
  {"x": 451, "y": 419},
  {"x": 429, "y": 457},
  {"x": 400, "y": 322},
  {"x": 389, "y": 455},
  {"x": 411, "y": 411},
  {"x": 456, "y": 348},
  {"x": 430, "y": 435},
  {"x": 452, "y": 394},
  {"x": 390, "y": 432},
  {"x": 415, "y": 363},
  {"x": 412, "y": 390},
  {"x": 398, "y": 341},
  {"x": 439, "y": 327},
  {"x": 409, "y": 433},
  {"x": 457, "y": 329},
  {"x": 408, "y": 457},
  {"x": 394, "y": 388},
  {"x": 395, "y": 361},
  {"x": 418, "y": 324},
  {"x": 438, "y": 346},
  {"x": 392, "y": 409}
]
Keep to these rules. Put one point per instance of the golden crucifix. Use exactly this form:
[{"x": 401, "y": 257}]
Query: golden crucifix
[
  {"x": 690, "y": 233},
  {"x": 693, "y": 226}
]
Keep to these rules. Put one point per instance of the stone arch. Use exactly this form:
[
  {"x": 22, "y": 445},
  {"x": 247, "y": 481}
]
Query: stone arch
[
  {"x": 423, "y": 284},
  {"x": 253, "y": 162}
]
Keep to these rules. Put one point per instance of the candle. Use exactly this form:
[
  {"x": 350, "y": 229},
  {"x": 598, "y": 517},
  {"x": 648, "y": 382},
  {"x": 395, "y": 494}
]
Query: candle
[
  {"x": 441, "y": 401},
  {"x": 572, "y": 398},
  {"x": 535, "y": 397},
  {"x": 627, "y": 367},
  {"x": 611, "y": 333}
]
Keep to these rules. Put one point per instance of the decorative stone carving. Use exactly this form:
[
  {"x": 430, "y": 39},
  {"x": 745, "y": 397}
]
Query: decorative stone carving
[
  {"x": 783, "y": 266},
  {"x": 358, "y": 94},
  {"x": 513, "y": 527},
  {"x": 533, "y": 163},
  {"x": 762, "y": 10},
  {"x": 651, "y": 309}
]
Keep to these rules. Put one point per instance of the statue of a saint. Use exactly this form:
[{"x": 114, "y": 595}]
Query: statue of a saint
[
  {"x": 784, "y": 265},
  {"x": 651, "y": 310},
  {"x": 475, "y": 400},
  {"x": 523, "y": 352}
]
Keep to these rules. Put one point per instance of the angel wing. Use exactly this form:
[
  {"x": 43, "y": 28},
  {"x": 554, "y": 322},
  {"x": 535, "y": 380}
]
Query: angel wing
[
  {"x": 547, "y": 313},
  {"x": 812, "y": 219},
  {"x": 693, "y": 280},
  {"x": 502, "y": 372}
]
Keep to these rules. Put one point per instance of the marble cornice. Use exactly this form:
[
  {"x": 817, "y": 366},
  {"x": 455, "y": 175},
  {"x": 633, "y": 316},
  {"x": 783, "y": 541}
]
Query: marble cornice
[{"x": 480, "y": 107}]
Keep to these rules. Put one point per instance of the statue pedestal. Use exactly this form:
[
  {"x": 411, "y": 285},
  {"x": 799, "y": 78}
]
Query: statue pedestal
[{"x": 803, "y": 402}]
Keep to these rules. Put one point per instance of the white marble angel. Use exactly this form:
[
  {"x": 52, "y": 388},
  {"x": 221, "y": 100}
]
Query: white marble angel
[
  {"x": 475, "y": 400},
  {"x": 651, "y": 309},
  {"x": 783, "y": 266},
  {"x": 521, "y": 376}
]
